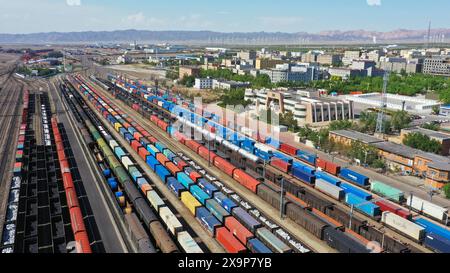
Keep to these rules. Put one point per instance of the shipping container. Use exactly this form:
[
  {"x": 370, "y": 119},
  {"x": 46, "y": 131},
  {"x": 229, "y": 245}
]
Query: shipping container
[
  {"x": 437, "y": 243},
  {"x": 427, "y": 208},
  {"x": 217, "y": 210},
  {"x": 155, "y": 200},
  {"x": 356, "y": 191},
  {"x": 256, "y": 246},
  {"x": 224, "y": 201},
  {"x": 354, "y": 177},
  {"x": 330, "y": 189},
  {"x": 207, "y": 220},
  {"x": 228, "y": 241},
  {"x": 189, "y": 200},
  {"x": 387, "y": 191},
  {"x": 187, "y": 243},
  {"x": 198, "y": 193},
  {"x": 362, "y": 205},
  {"x": 246, "y": 180},
  {"x": 175, "y": 186},
  {"x": 403, "y": 225},
  {"x": 171, "y": 221},
  {"x": 431, "y": 227},
  {"x": 185, "y": 180},
  {"x": 246, "y": 219},
  {"x": 272, "y": 241}
]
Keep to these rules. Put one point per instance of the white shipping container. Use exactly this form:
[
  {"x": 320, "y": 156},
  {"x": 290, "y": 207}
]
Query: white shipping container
[
  {"x": 248, "y": 155},
  {"x": 187, "y": 243},
  {"x": 263, "y": 147},
  {"x": 403, "y": 225},
  {"x": 329, "y": 189},
  {"x": 113, "y": 144},
  {"x": 427, "y": 207},
  {"x": 170, "y": 220},
  {"x": 126, "y": 161},
  {"x": 155, "y": 200}
]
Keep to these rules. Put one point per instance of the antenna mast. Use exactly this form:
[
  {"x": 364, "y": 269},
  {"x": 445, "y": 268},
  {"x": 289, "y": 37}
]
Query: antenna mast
[{"x": 383, "y": 104}]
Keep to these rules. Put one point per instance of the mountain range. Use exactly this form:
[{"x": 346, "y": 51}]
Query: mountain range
[{"x": 218, "y": 38}]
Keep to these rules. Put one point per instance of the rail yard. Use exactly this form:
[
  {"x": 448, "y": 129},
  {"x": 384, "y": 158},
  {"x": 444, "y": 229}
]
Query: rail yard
[{"x": 103, "y": 163}]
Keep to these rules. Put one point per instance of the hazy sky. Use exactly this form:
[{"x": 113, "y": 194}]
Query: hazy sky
[{"x": 27, "y": 16}]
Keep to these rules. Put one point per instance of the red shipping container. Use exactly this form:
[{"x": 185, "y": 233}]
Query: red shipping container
[
  {"x": 126, "y": 125},
  {"x": 386, "y": 206},
  {"x": 203, "y": 152},
  {"x": 193, "y": 145},
  {"x": 172, "y": 168},
  {"x": 224, "y": 165},
  {"x": 228, "y": 241},
  {"x": 246, "y": 180},
  {"x": 71, "y": 197},
  {"x": 82, "y": 243},
  {"x": 135, "y": 145},
  {"x": 152, "y": 140},
  {"x": 181, "y": 165},
  {"x": 333, "y": 168},
  {"x": 281, "y": 165},
  {"x": 195, "y": 176},
  {"x": 76, "y": 219},
  {"x": 143, "y": 153},
  {"x": 321, "y": 163},
  {"x": 137, "y": 136},
  {"x": 288, "y": 149},
  {"x": 404, "y": 213},
  {"x": 145, "y": 133},
  {"x": 180, "y": 137},
  {"x": 238, "y": 230},
  {"x": 64, "y": 166},
  {"x": 162, "y": 159}
]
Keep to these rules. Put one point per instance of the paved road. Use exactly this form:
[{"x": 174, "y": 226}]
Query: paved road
[{"x": 109, "y": 231}]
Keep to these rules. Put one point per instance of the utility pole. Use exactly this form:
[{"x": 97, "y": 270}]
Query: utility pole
[{"x": 282, "y": 199}]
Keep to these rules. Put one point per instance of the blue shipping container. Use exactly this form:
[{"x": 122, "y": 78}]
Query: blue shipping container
[
  {"x": 256, "y": 246},
  {"x": 356, "y": 191},
  {"x": 162, "y": 172},
  {"x": 246, "y": 219},
  {"x": 310, "y": 179},
  {"x": 362, "y": 205},
  {"x": 328, "y": 178},
  {"x": 207, "y": 220},
  {"x": 175, "y": 186},
  {"x": 431, "y": 227},
  {"x": 354, "y": 177},
  {"x": 152, "y": 162},
  {"x": 185, "y": 180},
  {"x": 199, "y": 194},
  {"x": 308, "y": 157},
  {"x": 436, "y": 242}
]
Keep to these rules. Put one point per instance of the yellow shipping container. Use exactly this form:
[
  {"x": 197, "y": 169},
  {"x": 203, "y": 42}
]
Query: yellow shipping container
[
  {"x": 117, "y": 126},
  {"x": 190, "y": 201}
]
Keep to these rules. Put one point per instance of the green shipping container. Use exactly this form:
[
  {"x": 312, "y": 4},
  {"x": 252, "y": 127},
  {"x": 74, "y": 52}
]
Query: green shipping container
[
  {"x": 387, "y": 191},
  {"x": 113, "y": 162},
  {"x": 96, "y": 136},
  {"x": 121, "y": 174}
]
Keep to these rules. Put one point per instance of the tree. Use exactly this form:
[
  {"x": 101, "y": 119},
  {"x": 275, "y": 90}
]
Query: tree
[
  {"x": 400, "y": 120},
  {"x": 340, "y": 125},
  {"x": 368, "y": 121},
  {"x": 366, "y": 154},
  {"x": 288, "y": 119},
  {"x": 234, "y": 97},
  {"x": 447, "y": 190},
  {"x": 422, "y": 142},
  {"x": 188, "y": 81},
  {"x": 436, "y": 109}
]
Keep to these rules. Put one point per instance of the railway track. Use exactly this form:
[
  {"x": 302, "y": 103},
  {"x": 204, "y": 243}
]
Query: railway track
[
  {"x": 370, "y": 221},
  {"x": 293, "y": 228}
]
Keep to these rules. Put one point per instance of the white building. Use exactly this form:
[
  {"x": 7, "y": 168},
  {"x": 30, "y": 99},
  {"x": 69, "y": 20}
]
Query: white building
[
  {"x": 396, "y": 102},
  {"x": 206, "y": 83}
]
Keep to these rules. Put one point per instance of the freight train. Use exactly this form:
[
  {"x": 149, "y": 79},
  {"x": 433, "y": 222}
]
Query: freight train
[
  {"x": 158, "y": 232},
  {"x": 194, "y": 191},
  {"x": 354, "y": 196}
]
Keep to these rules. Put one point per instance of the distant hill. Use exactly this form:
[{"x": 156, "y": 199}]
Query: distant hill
[{"x": 210, "y": 37}]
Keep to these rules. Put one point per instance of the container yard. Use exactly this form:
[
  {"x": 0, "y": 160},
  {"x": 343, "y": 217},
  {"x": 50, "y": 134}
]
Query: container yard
[{"x": 346, "y": 186}]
